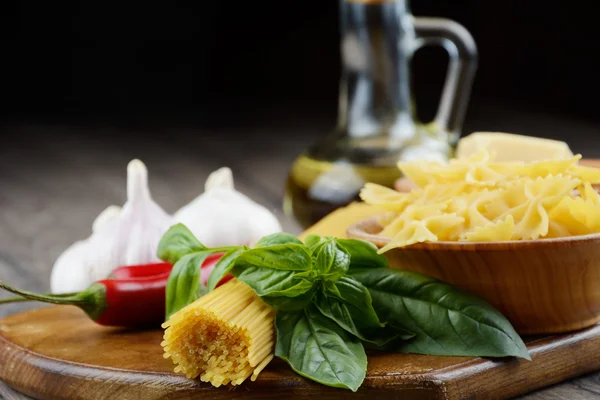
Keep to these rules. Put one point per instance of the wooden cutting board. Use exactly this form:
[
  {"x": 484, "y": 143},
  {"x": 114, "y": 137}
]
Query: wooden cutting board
[{"x": 58, "y": 353}]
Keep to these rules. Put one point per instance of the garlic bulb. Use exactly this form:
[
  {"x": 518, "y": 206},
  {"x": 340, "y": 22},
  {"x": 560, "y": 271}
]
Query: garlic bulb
[
  {"x": 120, "y": 236},
  {"x": 222, "y": 216}
]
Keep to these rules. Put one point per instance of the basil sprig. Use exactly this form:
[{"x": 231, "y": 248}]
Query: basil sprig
[
  {"x": 181, "y": 248},
  {"x": 334, "y": 297}
]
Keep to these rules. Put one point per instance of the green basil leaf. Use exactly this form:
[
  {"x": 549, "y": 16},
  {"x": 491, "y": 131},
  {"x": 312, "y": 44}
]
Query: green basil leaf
[
  {"x": 314, "y": 241},
  {"x": 339, "y": 312},
  {"x": 176, "y": 243},
  {"x": 330, "y": 288},
  {"x": 272, "y": 282},
  {"x": 318, "y": 349},
  {"x": 349, "y": 304},
  {"x": 349, "y": 318},
  {"x": 445, "y": 320},
  {"x": 331, "y": 261},
  {"x": 290, "y": 303},
  {"x": 309, "y": 275},
  {"x": 363, "y": 254},
  {"x": 277, "y": 239},
  {"x": 273, "y": 271},
  {"x": 286, "y": 257},
  {"x": 184, "y": 286},
  {"x": 387, "y": 339},
  {"x": 224, "y": 265},
  {"x": 358, "y": 299}
]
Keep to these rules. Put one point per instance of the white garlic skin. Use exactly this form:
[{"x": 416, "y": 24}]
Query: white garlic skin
[
  {"x": 127, "y": 236},
  {"x": 222, "y": 216},
  {"x": 69, "y": 274},
  {"x": 110, "y": 213}
]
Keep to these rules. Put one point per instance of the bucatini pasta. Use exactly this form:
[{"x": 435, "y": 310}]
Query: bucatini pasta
[
  {"x": 224, "y": 337},
  {"x": 479, "y": 200}
]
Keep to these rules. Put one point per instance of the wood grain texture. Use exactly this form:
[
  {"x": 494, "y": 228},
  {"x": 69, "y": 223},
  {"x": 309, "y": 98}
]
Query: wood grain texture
[
  {"x": 55, "y": 177},
  {"x": 58, "y": 353},
  {"x": 541, "y": 286},
  {"x": 8, "y": 393}
]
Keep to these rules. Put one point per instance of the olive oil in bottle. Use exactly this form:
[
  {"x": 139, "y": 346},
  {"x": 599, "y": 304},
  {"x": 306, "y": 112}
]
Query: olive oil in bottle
[
  {"x": 316, "y": 188},
  {"x": 376, "y": 125}
]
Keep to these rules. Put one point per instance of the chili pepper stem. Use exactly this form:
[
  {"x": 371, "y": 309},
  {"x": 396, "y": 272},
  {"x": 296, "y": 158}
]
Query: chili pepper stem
[
  {"x": 14, "y": 300},
  {"x": 20, "y": 299},
  {"x": 73, "y": 299}
]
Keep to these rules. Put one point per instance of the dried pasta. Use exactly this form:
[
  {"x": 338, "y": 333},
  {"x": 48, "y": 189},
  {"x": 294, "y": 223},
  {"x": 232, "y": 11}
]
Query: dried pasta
[
  {"x": 224, "y": 337},
  {"x": 479, "y": 200}
]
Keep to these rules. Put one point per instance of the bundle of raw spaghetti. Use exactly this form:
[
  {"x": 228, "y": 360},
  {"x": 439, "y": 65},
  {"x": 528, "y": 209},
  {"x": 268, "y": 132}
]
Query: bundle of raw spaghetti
[{"x": 223, "y": 337}]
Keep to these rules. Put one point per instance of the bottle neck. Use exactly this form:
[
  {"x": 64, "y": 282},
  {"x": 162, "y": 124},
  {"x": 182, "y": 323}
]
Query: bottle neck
[{"x": 377, "y": 39}]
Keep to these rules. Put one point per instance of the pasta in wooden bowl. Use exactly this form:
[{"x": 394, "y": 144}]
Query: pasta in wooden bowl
[{"x": 524, "y": 236}]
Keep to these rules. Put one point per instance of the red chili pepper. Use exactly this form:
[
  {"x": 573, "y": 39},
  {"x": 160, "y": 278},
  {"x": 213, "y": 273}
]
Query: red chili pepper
[
  {"x": 135, "y": 302},
  {"x": 141, "y": 270},
  {"x": 127, "y": 301},
  {"x": 131, "y": 302}
]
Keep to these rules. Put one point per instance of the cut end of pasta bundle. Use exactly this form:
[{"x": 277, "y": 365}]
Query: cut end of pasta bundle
[{"x": 223, "y": 337}]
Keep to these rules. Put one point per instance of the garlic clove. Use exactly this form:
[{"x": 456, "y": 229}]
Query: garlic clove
[
  {"x": 110, "y": 213},
  {"x": 222, "y": 216},
  {"x": 121, "y": 236},
  {"x": 68, "y": 275},
  {"x": 137, "y": 182},
  {"x": 221, "y": 178}
]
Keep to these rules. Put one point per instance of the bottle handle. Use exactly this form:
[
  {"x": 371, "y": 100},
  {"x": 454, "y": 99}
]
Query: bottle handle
[{"x": 462, "y": 65}]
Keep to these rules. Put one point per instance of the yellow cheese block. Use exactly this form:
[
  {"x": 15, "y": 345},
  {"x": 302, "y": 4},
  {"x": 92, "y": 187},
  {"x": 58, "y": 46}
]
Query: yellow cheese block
[
  {"x": 336, "y": 223},
  {"x": 512, "y": 147}
]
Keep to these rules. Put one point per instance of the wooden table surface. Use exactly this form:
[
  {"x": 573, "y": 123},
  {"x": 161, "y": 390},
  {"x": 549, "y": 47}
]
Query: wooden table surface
[{"x": 55, "y": 179}]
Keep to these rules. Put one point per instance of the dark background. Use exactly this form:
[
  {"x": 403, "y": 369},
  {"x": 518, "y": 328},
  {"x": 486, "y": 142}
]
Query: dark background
[{"x": 227, "y": 62}]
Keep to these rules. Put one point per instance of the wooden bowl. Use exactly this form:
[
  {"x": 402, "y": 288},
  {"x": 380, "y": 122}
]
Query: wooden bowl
[{"x": 541, "y": 286}]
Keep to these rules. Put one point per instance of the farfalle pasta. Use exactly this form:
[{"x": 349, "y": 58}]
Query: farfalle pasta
[{"x": 479, "y": 200}]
